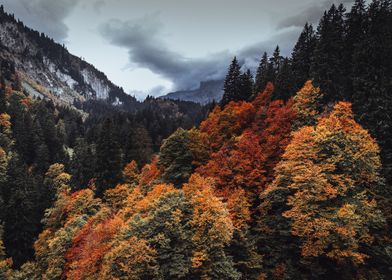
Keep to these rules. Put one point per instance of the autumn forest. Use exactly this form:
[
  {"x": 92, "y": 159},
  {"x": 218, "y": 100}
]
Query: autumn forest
[{"x": 287, "y": 177}]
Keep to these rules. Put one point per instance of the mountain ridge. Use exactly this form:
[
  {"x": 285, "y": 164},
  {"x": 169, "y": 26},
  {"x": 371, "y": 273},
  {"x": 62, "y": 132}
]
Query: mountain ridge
[
  {"x": 48, "y": 70},
  {"x": 207, "y": 92}
]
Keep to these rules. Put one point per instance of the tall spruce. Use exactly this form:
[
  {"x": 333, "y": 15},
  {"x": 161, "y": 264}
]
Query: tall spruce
[
  {"x": 260, "y": 80},
  {"x": 372, "y": 72},
  {"x": 108, "y": 155},
  {"x": 327, "y": 67},
  {"x": 246, "y": 86},
  {"x": 232, "y": 83},
  {"x": 301, "y": 56}
]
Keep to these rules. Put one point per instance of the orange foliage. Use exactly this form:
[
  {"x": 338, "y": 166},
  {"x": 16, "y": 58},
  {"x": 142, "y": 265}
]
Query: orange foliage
[
  {"x": 329, "y": 167},
  {"x": 149, "y": 173},
  {"x": 5, "y": 121},
  {"x": 131, "y": 173},
  {"x": 222, "y": 125},
  {"x": 116, "y": 198},
  {"x": 238, "y": 207},
  {"x": 89, "y": 246},
  {"x": 238, "y": 166},
  {"x": 248, "y": 161}
]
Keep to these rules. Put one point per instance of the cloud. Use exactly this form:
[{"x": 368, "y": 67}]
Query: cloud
[
  {"x": 311, "y": 14},
  {"x": 146, "y": 49},
  {"x": 98, "y": 5},
  {"x": 44, "y": 15}
]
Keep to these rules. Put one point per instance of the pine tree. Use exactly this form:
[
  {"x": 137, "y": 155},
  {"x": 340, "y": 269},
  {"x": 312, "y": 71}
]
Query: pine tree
[
  {"x": 372, "y": 89},
  {"x": 108, "y": 156},
  {"x": 232, "y": 83},
  {"x": 138, "y": 146},
  {"x": 327, "y": 67},
  {"x": 23, "y": 211},
  {"x": 246, "y": 86},
  {"x": 356, "y": 29},
  {"x": 302, "y": 55},
  {"x": 285, "y": 81},
  {"x": 82, "y": 165},
  {"x": 3, "y": 103},
  {"x": 262, "y": 75},
  {"x": 276, "y": 63}
]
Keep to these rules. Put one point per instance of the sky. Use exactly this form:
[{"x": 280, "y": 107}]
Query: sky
[{"x": 152, "y": 47}]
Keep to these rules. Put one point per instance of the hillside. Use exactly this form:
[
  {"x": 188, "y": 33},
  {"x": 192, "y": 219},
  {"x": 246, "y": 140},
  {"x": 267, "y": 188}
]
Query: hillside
[
  {"x": 48, "y": 70},
  {"x": 288, "y": 177}
]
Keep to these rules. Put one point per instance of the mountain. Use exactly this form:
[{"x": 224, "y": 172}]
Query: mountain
[
  {"x": 47, "y": 70},
  {"x": 207, "y": 92}
]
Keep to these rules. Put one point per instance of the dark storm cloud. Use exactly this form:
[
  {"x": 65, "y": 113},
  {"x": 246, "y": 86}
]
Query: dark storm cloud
[
  {"x": 44, "y": 15},
  {"x": 146, "y": 49},
  {"x": 311, "y": 14}
]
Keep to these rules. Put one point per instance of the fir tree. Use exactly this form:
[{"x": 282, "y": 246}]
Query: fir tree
[
  {"x": 261, "y": 79},
  {"x": 232, "y": 83},
  {"x": 327, "y": 67},
  {"x": 108, "y": 164},
  {"x": 301, "y": 56}
]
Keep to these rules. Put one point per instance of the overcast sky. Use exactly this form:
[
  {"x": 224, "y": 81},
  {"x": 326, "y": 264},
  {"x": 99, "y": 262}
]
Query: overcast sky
[{"x": 156, "y": 46}]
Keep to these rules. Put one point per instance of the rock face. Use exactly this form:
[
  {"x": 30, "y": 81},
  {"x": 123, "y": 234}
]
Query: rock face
[
  {"x": 206, "y": 93},
  {"x": 48, "y": 69}
]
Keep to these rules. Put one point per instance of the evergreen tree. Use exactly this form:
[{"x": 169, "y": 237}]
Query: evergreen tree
[
  {"x": 3, "y": 103},
  {"x": 372, "y": 88},
  {"x": 276, "y": 63},
  {"x": 246, "y": 86},
  {"x": 138, "y": 146},
  {"x": 23, "y": 212},
  {"x": 356, "y": 29},
  {"x": 285, "y": 81},
  {"x": 232, "y": 83},
  {"x": 261, "y": 79},
  {"x": 327, "y": 67},
  {"x": 108, "y": 155},
  {"x": 82, "y": 165},
  {"x": 302, "y": 55}
]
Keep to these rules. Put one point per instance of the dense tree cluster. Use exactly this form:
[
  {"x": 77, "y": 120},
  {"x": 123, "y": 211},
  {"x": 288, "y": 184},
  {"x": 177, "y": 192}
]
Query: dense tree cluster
[
  {"x": 36, "y": 133},
  {"x": 348, "y": 55},
  {"x": 293, "y": 190},
  {"x": 283, "y": 182}
]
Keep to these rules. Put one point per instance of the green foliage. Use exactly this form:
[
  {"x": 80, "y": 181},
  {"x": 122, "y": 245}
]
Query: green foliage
[{"x": 176, "y": 158}]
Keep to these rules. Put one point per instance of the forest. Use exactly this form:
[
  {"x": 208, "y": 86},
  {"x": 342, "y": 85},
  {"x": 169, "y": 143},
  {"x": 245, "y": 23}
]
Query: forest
[{"x": 288, "y": 177}]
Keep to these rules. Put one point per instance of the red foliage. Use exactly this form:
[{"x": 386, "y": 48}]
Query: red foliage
[
  {"x": 92, "y": 242},
  {"x": 222, "y": 125}
]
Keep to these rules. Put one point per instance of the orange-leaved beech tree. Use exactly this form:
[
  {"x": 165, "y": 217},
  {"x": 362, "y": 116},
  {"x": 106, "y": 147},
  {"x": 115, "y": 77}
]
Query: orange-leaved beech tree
[
  {"x": 62, "y": 221},
  {"x": 308, "y": 105},
  {"x": 89, "y": 246},
  {"x": 223, "y": 124},
  {"x": 247, "y": 161},
  {"x": 331, "y": 171}
]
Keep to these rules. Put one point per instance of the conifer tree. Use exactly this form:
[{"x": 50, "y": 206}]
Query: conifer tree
[
  {"x": 284, "y": 81},
  {"x": 108, "y": 155},
  {"x": 82, "y": 165},
  {"x": 262, "y": 75},
  {"x": 327, "y": 67},
  {"x": 246, "y": 86},
  {"x": 302, "y": 55},
  {"x": 232, "y": 83}
]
